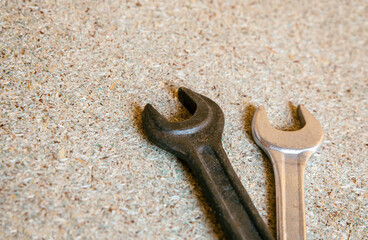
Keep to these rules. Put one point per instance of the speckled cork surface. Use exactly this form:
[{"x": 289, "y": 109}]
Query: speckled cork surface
[{"x": 75, "y": 76}]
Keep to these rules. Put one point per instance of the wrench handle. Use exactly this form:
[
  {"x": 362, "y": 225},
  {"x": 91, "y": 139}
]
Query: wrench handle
[
  {"x": 232, "y": 205},
  {"x": 290, "y": 204}
]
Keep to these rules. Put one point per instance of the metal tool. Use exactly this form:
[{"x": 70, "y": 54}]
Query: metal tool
[
  {"x": 289, "y": 152},
  {"x": 197, "y": 141}
]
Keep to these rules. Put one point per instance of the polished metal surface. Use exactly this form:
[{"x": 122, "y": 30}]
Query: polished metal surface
[{"x": 289, "y": 152}]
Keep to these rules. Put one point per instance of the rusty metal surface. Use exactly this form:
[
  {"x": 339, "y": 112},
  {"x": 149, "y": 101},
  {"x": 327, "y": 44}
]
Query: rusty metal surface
[{"x": 197, "y": 141}]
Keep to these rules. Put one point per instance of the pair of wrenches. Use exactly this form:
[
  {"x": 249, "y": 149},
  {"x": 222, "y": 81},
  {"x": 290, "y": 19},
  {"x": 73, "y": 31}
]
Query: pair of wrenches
[{"x": 197, "y": 141}]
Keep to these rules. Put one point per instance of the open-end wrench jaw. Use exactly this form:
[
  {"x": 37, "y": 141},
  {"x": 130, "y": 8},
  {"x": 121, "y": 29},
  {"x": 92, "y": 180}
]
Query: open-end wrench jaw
[
  {"x": 205, "y": 126},
  {"x": 307, "y": 139}
]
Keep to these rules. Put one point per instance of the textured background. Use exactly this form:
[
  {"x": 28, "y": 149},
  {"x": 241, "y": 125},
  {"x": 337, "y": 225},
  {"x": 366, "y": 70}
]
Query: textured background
[{"x": 75, "y": 76}]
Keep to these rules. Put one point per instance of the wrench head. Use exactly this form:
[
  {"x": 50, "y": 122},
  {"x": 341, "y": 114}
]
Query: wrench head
[
  {"x": 181, "y": 138},
  {"x": 305, "y": 140}
]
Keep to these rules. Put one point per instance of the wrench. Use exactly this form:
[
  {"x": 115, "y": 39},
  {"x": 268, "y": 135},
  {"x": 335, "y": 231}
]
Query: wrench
[
  {"x": 197, "y": 141},
  {"x": 289, "y": 152}
]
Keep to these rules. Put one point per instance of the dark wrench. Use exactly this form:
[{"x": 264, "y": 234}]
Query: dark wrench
[{"x": 197, "y": 141}]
